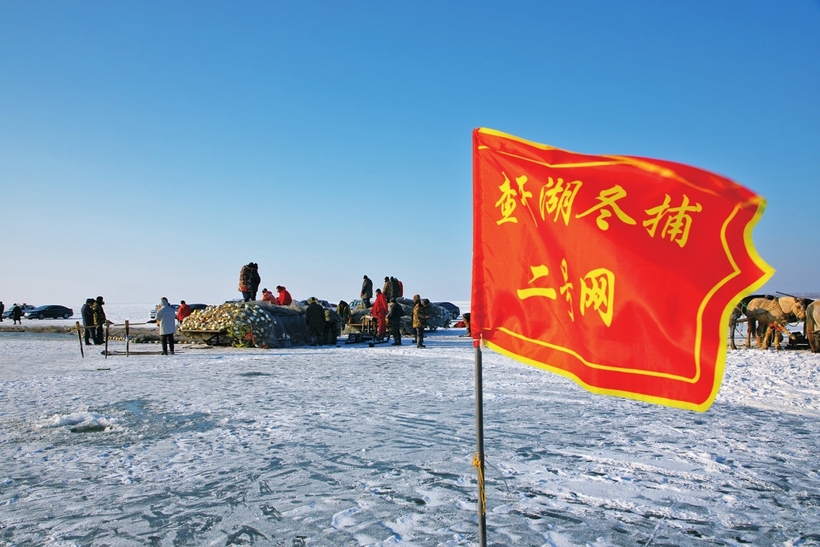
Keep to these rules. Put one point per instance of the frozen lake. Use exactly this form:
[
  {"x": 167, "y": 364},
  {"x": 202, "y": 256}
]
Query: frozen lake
[{"x": 361, "y": 446}]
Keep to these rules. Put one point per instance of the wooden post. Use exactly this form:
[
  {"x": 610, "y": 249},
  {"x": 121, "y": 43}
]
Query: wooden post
[
  {"x": 80, "y": 336},
  {"x": 127, "y": 339}
]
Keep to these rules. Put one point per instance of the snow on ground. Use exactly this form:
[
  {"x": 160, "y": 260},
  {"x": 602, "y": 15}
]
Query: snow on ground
[{"x": 374, "y": 446}]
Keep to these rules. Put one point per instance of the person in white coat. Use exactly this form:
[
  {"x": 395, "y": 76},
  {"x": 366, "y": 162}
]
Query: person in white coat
[{"x": 167, "y": 323}]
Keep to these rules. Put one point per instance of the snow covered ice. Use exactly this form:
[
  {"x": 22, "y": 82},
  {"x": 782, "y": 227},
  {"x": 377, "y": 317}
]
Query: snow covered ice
[{"x": 374, "y": 446}]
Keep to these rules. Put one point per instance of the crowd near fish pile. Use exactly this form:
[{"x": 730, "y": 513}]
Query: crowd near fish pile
[
  {"x": 437, "y": 317},
  {"x": 264, "y": 325}
]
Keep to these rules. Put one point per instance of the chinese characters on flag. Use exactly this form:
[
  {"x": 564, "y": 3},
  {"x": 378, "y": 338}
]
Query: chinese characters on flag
[{"x": 617, "y": 272}]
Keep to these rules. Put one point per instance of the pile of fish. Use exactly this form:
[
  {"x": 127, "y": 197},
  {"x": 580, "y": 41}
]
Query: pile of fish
[{"x": 250, "y": 324}]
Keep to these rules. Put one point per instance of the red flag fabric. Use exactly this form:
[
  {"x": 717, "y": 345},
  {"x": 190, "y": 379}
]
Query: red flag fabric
[{"x": 618, "y": 272}]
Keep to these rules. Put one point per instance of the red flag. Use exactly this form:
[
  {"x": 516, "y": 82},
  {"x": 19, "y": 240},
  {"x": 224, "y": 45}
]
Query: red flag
[{"x": 617, "y": 272}]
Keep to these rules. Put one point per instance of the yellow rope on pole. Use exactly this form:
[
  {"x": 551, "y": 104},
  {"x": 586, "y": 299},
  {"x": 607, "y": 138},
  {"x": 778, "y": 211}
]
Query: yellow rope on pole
[{"x": 482, "y": 495}]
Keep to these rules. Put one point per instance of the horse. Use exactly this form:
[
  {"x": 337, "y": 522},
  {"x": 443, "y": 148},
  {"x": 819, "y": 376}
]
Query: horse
[
  {"x": 767, "y": 317},
  {"x": 813, "y": 325}
]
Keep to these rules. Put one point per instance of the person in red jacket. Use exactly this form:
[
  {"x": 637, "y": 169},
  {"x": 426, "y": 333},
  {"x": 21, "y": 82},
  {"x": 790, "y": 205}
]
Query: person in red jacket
[
  {"x": 183, "y": 311},
  {"x": 268, "y": 296},
  {"x": 284, "y": 298},
  {"x": 379, "y": 311}
]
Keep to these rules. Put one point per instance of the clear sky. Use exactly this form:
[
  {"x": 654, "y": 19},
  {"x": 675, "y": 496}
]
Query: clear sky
[{"x": 151, "y": 149}]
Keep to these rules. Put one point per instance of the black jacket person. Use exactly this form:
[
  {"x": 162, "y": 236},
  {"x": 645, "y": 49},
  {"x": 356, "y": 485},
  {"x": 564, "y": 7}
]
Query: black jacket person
[
  {"x": 87, "y": 313},
  {"x": 394, "y": 318},
  {"x": 315, "y": 320},
  {"x": 367, "y": 291}
]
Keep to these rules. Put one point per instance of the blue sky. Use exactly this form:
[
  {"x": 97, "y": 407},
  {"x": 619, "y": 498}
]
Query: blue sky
[{"x": 151, "y": 149}]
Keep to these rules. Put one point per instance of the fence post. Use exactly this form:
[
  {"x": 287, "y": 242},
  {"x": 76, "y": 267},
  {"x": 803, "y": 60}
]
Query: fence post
[{"x": 80, "y": 336}]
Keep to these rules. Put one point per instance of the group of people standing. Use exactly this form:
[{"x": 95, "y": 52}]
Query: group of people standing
[
  {"x": 386, "y": 308},
  {"x": 16, "y": 313},
  {"x": 249, "y": 281},
  {"x": 324, "y": 325},
  {"x": 93, "y": 315}
]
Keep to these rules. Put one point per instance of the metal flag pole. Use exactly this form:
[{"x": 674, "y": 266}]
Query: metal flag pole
[{"x": 478, "y": 460}]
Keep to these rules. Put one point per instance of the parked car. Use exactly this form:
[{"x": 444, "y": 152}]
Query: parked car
[
  {"x": 51, "y": 311},
  {"x": 324, "y": 303},
  {"x": 153, "y": 313},
  {"x": 24, "y": 307},
  {"x": 454, "y": 310}
]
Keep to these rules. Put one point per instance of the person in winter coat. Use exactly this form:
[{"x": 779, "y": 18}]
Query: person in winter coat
[
  {"x": 255, "y": 280},
  {"x": 379, "y": 311},
  {"x": 387, "y": 289},
  {"x": 16, "y": 314},
  {"x": 183, "y": 311},
  {"x": 283, "y": 298},
  {"x": 99, "y": 320},
  {"x": 367, "y": 291},
  {"x": 87, "y": 313},
  {"x": 343, "y": 309},
  {"x": 167, "y": 323},
  {"x": 268, "y": 296},
  {"x": 315, "y": 320},
  {"x": 333, "y": 327},
  {"x": 2, "y": 309},
  {"x": 395, "y": 289},
  {"x": 245, "y": 281},
  {"x": 394, "y": 318},
  {"x": 419, "y": 319}
]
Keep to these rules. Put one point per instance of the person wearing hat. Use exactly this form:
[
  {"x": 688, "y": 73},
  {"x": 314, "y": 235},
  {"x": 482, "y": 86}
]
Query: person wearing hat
[
  {"x": 315, "y": 320},
  {"x": 99, "y": 319},
  {"x": 87, "y": 313},
  {"x": 245, "y": 281},
  {"x": 379, "y": 311},
  {"x": 367, "y": 291},
  {"x": 283, "y": 297},
  {"x": 167, "y": 323},
  {"x": 16, "y": 314},
  {"x": 394, "y": 318},
  {"x": 387, "y": 289},
  {"x": 268, "y": 296},
  {"x": 255, "y": 280}
]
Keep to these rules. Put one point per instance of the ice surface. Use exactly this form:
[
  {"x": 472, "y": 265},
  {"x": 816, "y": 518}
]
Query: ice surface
[{"x": 374, "y": 446}]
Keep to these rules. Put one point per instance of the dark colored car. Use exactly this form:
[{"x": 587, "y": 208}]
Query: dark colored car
[
  {"x": 324, "y": 303},
  {"x": 454, "y": 310},
  {"x": 51, "y": 312}
]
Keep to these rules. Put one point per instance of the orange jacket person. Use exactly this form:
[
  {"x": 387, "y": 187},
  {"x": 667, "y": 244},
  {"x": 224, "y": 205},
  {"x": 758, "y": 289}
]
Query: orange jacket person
[
  {"x": 267, "y": 296},
  {"x": 183, "y": 311},
  {"x": 284, "y": 298},
  {"x": 379, "y": 311}
]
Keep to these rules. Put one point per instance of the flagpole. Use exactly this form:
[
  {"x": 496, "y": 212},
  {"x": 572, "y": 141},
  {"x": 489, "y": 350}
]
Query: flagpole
[{"x": 478, "y": 460}]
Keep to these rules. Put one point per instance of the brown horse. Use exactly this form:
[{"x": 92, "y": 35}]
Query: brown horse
[
  {"x": 813, "y": 325},
  {"x": 767, "y": 317}
]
